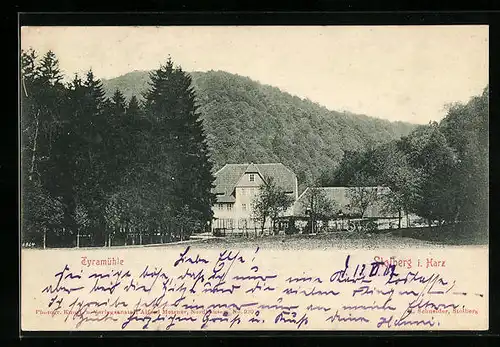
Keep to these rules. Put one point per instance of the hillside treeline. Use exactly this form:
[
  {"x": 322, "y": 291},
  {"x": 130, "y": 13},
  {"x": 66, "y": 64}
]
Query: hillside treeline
[{"x": 99, "y": 170}]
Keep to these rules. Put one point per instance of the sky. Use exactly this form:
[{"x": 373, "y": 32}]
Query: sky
[{"x": 405, "y": 73}]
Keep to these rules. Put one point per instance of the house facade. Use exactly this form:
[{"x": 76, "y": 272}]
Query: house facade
[{"x": 237, "y": 186}]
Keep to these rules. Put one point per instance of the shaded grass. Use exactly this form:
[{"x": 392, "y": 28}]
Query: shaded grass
[
  {"x": 316, "y": 242},
  {"x": 447, "y": 235},
  {"x": 410, "y": 238}
]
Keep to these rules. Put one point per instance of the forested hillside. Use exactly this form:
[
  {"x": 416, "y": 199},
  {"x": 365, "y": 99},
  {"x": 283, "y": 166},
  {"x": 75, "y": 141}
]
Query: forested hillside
[{"x": 246, "y": 121}]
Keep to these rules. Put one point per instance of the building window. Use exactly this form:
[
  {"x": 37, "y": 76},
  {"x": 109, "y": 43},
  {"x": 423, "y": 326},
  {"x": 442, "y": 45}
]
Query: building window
[
  {"x": 244, "y": 207},
  {"x": 220, "y": 206},
  {"x": 229, "y": 207},
  {"x": 252, "y": 177}
]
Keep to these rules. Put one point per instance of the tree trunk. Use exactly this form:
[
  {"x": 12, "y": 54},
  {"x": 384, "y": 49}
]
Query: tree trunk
[
  {"x": 33, "y": 157},
  {"x": 103, "y": 230},
  {"x": 69, "y": 208},
  {"x": 24, "y": 87},
  {"x": 312, "y": 214},
  {"x": 399, "y": 219},
  {"x": 127, "y": 232}
]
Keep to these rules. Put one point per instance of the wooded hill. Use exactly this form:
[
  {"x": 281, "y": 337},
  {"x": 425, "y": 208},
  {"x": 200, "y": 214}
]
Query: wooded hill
[{"x": 246, "y": 121}]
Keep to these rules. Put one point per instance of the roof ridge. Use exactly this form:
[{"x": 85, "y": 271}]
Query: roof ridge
[
  {"x": 300, "y": 196},
  {"x": 231, "y": 173},
  {"x": 258, "y": 171}
]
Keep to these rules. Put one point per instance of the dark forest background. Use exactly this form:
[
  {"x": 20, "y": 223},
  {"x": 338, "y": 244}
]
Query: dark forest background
[{"x": 97, "y": 169}]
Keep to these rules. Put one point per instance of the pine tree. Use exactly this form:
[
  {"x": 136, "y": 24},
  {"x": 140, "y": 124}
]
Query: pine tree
[
  {"x": 29, "y": 111},
  {"x": 42, "y": 119},
  {"x": 171, "y": 107},
  {"x": 116, "y": 139},
  {"x": 49, "y": 69},
  {"x": 134, "y": 108},
  {"x": 119, "y": 103},
  {"x": 85, "y": 153},
  {"x": 43, "y": 94},
  {"x": 136, "y": 126}
]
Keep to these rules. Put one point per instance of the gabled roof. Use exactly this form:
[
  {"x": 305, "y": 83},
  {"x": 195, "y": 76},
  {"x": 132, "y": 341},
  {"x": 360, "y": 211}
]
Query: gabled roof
[
  {"x": 283, "y": 176},
  {"x": 227, "y": 177},
  {"x": 252, "y": 168}
]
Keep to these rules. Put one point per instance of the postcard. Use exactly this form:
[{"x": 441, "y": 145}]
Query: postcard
[{"x": 254, "y": 178}]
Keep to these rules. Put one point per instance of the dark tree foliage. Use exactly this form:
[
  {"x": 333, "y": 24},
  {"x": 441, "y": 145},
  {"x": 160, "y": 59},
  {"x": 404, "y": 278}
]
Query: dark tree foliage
[
  {"x": 100, "y": 170},
  {"x": 438, "y": 172},
  {"x": 134, "y": 108},
  {"x": 42, "y": 98},
  {"x": 187, "y": 171},
  {"x": 467, "y": 132}
]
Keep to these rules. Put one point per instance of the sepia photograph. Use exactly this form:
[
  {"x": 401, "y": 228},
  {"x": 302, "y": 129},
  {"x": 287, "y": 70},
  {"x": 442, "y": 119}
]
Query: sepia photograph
[{"x": 254, "y": 177}]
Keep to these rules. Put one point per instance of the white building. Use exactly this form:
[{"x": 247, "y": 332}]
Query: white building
[{"x": 237, "y": 185}]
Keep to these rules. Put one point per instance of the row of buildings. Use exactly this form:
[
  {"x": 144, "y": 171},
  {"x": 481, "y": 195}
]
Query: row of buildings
[{"x": 237, "y": 185}]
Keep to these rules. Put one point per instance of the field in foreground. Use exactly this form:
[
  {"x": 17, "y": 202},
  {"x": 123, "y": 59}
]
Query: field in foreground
[
  {"x": 332, "y": 241},
  {"x": 317, "y": 242},
  {"x": 305, "y": 242}
]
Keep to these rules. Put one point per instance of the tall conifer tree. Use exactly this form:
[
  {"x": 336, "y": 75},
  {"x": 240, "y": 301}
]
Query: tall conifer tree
[
  {"x": 42, "y": 97},
  {"x": 87, "y": 150},
  {"x": 170, "y": 104}
]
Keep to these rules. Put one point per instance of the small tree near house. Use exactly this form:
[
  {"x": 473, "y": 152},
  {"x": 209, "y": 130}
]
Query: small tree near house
[
  {"x": 361, "y": 198},
  {"x": 270, "y": 203},
  {"x": 320, "y": 207},
  {"x": 392, "y": 203}
]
